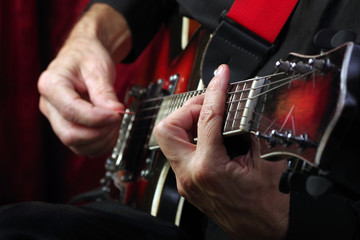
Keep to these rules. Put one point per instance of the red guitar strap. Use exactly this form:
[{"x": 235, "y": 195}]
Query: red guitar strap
[
  {"x": 265, "y": 18},
  {"x": 246, "y": 37}
]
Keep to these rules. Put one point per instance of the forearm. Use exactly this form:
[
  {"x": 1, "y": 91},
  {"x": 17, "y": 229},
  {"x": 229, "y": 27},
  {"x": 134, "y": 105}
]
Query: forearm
[{"x": 103, "y": 23}]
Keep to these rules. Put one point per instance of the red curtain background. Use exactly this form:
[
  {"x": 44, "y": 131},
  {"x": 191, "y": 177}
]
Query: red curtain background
[{"x": 34, "y": 165}]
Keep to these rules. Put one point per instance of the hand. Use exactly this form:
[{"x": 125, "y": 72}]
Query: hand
[
  {"x": 241, "y": 195},
  {"x": 77, "y": 93}
]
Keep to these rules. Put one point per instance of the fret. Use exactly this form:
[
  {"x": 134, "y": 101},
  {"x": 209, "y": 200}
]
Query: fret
[
  {"x": 168, "y": 105},
  {"x": 182, "y": 100},
  {"x": 241, "y": 117},
  {"x": 236, "y": 105},
  {"x": 240, "y": 106},
  {"x": 174, "y": 102}
]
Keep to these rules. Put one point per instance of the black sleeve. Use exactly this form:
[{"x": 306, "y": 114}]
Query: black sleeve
[
  {"x": 327, "y": 217},
  {"x": 144, "y": 18}
]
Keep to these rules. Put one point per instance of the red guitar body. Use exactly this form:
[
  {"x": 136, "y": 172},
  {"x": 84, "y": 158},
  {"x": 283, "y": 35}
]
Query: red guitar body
[{"x": 135, "y": 170}]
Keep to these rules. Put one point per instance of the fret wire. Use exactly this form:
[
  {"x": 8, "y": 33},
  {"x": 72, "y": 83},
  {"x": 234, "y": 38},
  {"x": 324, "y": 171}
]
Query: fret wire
[
  {"x": 264, "y": 122},
  {"x": 237, "y": 91},
  {"x": 239, "y": 104},
  {"x": 230, "y": 93},
  {"x": 203, "y": 90},
  {"x": 262, "y": 93},
  {"x": 232, "y": 105},
  {"x": 271, "y": 83},
  {"x": 235, "y": 83},
  {"x": 252, "y": 79},
  {"x": 173, "y": 105},
  {"x": 190, "y": 94},
  {"x": 229, "y": 105},
  {"x": 180, "y": 101},
  {"x": 198, "y": 92}
]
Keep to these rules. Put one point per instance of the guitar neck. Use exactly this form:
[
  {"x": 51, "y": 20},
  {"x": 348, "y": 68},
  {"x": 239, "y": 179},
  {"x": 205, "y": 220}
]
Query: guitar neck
[{"x": 242, "y": 108}]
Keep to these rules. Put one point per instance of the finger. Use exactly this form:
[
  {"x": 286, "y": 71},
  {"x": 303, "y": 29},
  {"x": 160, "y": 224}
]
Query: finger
[
  {"x": 72, "y": 134},
  {"x": 99, "y": 78},
  {"x": 98, "y": 147},
  {"x": 195, "y": 100},
  {"x": 59, "y": 92},
  {"x": 212, "y": 112},
  {"x": 173, "y": 134}
]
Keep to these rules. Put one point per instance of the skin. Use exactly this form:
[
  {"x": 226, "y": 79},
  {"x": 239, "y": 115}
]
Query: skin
[
  {"x": 77, "y": 89},
  {"x": 241, "y": 195}
]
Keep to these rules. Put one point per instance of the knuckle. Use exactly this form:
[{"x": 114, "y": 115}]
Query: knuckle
[
  {"x": 68, "y": 111},
  {"x": 104, "y": 90},
  {"x": 42, "y": 106},
  {"x": 208, "y": 113},
  {"x": 201, "y": 176},
  {"x": 68, "y": 138},
  {"x": 186, "y": 187},
  {"x": 189, "y": 185},
  {"x": 42, "y": 82},
  {"x": 161, "y": 129}
]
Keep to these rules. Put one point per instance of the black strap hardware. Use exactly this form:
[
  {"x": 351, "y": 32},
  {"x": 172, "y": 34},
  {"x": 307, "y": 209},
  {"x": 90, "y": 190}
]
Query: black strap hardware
[{"x": 231, "y": 44}]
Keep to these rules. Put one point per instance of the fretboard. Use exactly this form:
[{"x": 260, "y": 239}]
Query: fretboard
[{"x": 240, "y": 106}]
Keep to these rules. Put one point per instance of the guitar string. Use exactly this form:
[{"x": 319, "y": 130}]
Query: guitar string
[
  {"x": 264, "y": 123},
  {"x": 203, "y": 90},
  {"x": 154, "y": 116},
  {"x": 198, "y": 92},
  {"x": 285, "y": 82},
  {"x": 181, "y": 98},
  {"x": 272, "y": 123}
]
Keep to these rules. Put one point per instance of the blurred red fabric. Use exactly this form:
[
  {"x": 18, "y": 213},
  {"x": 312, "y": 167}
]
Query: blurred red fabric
[{"x": 34, "y": 165}]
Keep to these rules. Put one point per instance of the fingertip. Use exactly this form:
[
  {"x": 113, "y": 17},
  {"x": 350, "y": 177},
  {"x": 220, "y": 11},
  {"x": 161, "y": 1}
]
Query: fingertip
[
  {"x": 114, "y": 105},
  {"x": 222, "y": 69},
  {"x": 222, "y": 77},
  {"x": 219, "y": 70}
]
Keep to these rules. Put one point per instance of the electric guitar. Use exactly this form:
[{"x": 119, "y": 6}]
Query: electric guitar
[{"x": 305, "y": 110}]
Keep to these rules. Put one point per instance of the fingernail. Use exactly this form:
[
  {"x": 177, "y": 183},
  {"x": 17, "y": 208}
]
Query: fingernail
[
  {"x": 219, "y": 70},
  {"x": 125, "y": 112}
]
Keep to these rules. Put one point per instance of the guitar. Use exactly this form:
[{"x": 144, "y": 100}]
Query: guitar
[
  {"x": 304, "y": 110},
  {"x": 144, "y": 176}
]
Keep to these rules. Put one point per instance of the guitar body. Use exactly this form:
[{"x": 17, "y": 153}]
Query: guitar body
[
  {"x": 323, "y": 107},
  {"x": 310, "y": 116},
  {"x": 305, "y": 111},
  {"x": 143, "y": 176},
  {"x": 340, "y": 155},
  {"x": 308, "y": 105}
]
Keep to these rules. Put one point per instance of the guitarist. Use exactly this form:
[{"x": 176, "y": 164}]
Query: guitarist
[{"x": 78, "y": 98}]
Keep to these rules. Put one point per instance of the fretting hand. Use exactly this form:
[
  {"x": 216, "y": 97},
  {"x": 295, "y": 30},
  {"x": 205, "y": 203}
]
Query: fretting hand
[{"x": 241, "y": 194}]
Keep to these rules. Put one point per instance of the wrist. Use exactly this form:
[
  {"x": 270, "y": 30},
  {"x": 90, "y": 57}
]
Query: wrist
[{"x": 104, "y": 24}]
